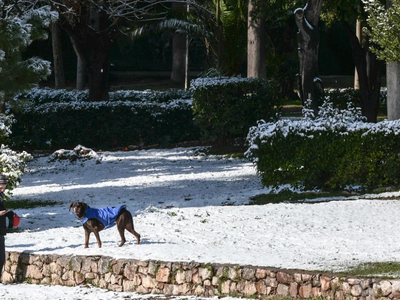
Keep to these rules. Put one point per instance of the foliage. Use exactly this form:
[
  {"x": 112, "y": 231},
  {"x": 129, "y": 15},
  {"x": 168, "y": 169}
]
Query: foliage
[
  {"x": 384, "y": 29},
  {"x": 333, "y": 150},
  {"x": 340, "y": 98},
  {"x": 12, "y": 164},
  {"x": 20, "y": 24},
  {"x": 49, "y": 119},
  {"x": 225, "y": 108}
]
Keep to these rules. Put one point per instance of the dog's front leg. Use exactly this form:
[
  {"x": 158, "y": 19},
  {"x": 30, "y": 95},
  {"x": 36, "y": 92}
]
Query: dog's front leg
[
  {"x": 96, "y": 233},
  {"x": 87, "y": 235}
]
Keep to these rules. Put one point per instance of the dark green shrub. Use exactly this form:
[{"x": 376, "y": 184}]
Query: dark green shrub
[
  {"x": 70, "y": 120},
  {"x": 333, "y": 151},
  {"x": 225, "y": 108},
  {"x": 340, "y": 98}
]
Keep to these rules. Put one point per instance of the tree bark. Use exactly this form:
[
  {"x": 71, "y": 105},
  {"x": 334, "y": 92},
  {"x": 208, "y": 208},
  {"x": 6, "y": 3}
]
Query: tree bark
[
  {"x": 393, "y": 86},
  {"x": 59, "y": 77},
  {"x": 178, "y": 51},
  {"x": 393, "y": 91},
  {"x": 310, "y": 86},
  {"x": 92, "y": 41},
  {"x": 369, "y": 70},
  {"x": 220, "y": 29},
  {"x": 256, "y": 52},
  {"x": 80, "y": 75}
]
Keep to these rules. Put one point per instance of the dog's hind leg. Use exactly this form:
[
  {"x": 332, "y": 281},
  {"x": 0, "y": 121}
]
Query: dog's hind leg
[
  {"x": 121, "y": 230},
  {"x": 131, "y": 229}
]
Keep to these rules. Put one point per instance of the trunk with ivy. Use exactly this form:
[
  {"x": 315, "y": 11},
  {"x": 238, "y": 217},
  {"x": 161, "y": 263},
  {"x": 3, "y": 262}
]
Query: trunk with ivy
[
  {"x": 369, "y": 70},
  {"x": 310, "y": 86}
]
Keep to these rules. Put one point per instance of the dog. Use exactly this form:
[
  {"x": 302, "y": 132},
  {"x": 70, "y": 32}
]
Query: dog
[{"x": 96, "y": 219}]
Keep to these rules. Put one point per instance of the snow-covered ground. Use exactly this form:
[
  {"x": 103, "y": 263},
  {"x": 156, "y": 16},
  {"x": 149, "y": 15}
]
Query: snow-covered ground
[{"x": 190, "y": 207}]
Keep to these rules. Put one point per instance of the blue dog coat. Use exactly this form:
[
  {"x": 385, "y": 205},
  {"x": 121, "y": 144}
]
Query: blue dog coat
[{"x": 106, "y": 215}]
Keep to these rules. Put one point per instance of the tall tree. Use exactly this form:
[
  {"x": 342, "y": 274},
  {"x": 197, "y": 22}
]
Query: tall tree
[
  {"x": 94, "y": 26},
  {"x": 21, "y": 22},
  {"x": 307, "y": 19},
  {"x": 384, "y": 29},
  {"x": 59, "y": 77},
  {"x": 179, "y": 49},
  {"x": 369, "y": 67},
  {"x": 256, "y": 52}
]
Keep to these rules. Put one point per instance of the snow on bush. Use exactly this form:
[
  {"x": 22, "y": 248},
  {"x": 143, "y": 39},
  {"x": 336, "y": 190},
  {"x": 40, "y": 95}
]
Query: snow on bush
[
  {"x": 334, "y": 149},
  {"x": 12, "y": 163}
]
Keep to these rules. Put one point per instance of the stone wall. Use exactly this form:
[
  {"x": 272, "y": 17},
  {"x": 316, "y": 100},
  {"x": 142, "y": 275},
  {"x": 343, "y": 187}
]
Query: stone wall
[{"x": 180, "y": 278}]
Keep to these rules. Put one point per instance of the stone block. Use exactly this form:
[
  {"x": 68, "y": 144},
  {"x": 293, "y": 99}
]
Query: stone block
[
  {"x": 261, "y": 273},
  {"x": 116, "y": 288},
  {"x": 356, "y": 290},
  {"x": 76, "y": 263},
  {"x": 249, "y": 288},
  {"x": 325, "y": 282},
  {"x": 235, "y": 273},
  {"x": 282, "y": 290},
  {"x": 104, "y": 265},
  {"x": 261, "y": 287},
  {"x": 293, "y": 289},
  {"x": 205, "y": 273},
  {"x": 248, "y": 274},
  {"x": 150, "y": 282},
  {"x": 305, "y": 290},
  {"x": 284, "y": 277},
  {"x": 34, "y": 272},
  {"x": 386, "y": 288},
  {"x": 163, "y": 275},
  {"x": 180, "y": 277},
  {"x": 129, "y": 271},
  {"x": 128, "y": 286}
]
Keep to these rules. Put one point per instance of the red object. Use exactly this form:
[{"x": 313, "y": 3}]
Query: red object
[{"x": 16, "y": 220}]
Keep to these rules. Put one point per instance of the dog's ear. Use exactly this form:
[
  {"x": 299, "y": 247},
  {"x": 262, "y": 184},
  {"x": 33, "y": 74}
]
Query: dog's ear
[{"x": 72, "y": 204}]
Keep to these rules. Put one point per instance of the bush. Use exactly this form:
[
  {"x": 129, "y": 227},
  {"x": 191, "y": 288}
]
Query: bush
[
  {"x": 340, "y": 98},
  {"x": 335, "y": 150},
  {"x": 51, "y": 119},
  {"x": 12, "y": 164},
  {"x": 225, "y": 108}
]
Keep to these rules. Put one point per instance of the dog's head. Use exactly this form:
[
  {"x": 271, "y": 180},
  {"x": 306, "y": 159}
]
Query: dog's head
[{"x": 79, "y": 209}]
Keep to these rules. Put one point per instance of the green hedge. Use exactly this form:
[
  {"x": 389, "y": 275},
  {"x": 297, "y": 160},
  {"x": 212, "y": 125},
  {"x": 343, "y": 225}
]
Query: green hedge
[
  {"x": 225, "y": 108},
  {"x": 333, "y": 151},
  {"x": 52, "y": 119},
  {"x": 340, "y": 98}
]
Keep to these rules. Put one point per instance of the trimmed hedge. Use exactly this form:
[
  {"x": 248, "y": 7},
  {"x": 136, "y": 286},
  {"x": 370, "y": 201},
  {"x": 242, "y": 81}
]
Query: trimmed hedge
[
  {"x": 226, "y": 107},
  {"x": 333, "y": 151},
  {"x": 340, "y": 98},
  {"x": 52, "y": 119}
]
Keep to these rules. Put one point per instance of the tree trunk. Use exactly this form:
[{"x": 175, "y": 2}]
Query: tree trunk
[
  {"x": 393, "y": 91},
  {"x": 393, "y": 86},
  {"x": 220, "y": 29},
  {"x": 80, "y": 75},
  {"x": 369, "y": 70},
  {"x": 256, "y": 52},
  {"x": 178, "y": 51},
  {"x": 310, "y": 86},
  {"x": 92, "y": 41},
  {"x": 98, "y": 73},
  {"x": 59, "y": 77}
]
